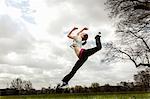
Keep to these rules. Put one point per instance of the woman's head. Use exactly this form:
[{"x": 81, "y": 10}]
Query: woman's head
[{"x": 84, "y": 36}]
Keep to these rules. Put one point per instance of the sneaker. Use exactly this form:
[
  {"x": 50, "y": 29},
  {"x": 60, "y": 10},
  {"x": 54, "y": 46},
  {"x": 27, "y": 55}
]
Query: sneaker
[{"x": 64, "y": 84}]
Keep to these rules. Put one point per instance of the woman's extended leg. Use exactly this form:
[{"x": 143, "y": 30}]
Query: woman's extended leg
[
  {"x": 77, "y": 65},
  {"x": 98, "y": 47}
]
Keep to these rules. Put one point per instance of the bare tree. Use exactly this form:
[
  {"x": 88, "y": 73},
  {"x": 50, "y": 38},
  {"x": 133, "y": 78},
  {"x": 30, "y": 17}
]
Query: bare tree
[
  {"x": 20, "y": 84},
  {"x": 17, "y": 84},
  {"x": 133, "y": 31},
  {"x": 27, "y": 85}
]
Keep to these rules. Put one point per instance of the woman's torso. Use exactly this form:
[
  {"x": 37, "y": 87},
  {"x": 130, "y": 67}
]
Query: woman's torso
[{"x": 77, "y": 44}]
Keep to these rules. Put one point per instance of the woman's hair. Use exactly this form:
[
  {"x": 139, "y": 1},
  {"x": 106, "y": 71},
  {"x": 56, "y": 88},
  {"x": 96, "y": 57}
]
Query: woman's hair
[{"x": 84, "y": 39}]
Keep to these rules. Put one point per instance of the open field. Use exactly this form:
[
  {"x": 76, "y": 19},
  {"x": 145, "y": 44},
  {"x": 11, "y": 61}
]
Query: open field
[{"x": 83, "y": 96}]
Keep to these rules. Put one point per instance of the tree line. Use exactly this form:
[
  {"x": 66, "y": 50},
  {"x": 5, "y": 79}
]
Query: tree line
[{"x": 23, "y": 87}]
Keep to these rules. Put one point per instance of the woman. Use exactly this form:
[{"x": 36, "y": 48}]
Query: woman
[{"x": 83, "y": 54}]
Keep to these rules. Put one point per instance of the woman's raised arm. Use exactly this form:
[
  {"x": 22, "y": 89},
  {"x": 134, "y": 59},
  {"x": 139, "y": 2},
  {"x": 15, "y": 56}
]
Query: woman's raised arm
[
  {"x": 69, "y": 35},
  {"x": 82, "y": 30}
]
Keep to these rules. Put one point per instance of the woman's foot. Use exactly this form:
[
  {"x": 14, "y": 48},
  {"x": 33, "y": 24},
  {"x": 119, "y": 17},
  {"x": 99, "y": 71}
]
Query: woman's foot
[
  {"x": 64, "y": 84},
  {"x": 98, "y": 35}
]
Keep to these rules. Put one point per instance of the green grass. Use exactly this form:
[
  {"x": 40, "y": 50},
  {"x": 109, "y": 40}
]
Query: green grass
[{"x": 83, "y": 96}]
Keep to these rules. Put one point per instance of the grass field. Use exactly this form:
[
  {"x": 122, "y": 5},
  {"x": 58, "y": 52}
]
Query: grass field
[{"x": 83, "y": 96}]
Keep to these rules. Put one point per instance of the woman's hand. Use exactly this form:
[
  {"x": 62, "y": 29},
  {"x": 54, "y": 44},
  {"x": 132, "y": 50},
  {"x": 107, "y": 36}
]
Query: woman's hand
[
  {"x": 85, "y": 28},
  {"x": 75, "y": 28},
  {"x": 69, "y": 35}
]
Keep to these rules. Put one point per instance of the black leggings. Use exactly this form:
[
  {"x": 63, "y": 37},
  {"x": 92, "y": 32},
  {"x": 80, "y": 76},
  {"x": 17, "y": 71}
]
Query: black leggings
[{"x": 85, "y": 54}]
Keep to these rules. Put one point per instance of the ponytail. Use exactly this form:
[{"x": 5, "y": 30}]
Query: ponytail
[{"x": 84, "y": 42}]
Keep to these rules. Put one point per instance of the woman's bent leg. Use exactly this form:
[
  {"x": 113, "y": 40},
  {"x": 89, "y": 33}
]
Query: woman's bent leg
[
  {"x": 98, "y": 47},
  {"x": 78, "y": 64}
]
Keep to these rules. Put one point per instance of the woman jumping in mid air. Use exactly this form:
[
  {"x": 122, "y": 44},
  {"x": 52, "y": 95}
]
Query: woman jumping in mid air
[{"x": 82, "y": 54}]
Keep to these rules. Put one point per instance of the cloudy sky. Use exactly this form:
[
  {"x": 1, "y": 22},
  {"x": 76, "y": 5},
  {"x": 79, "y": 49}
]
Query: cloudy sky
[{"x": 34, "y": 45}]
